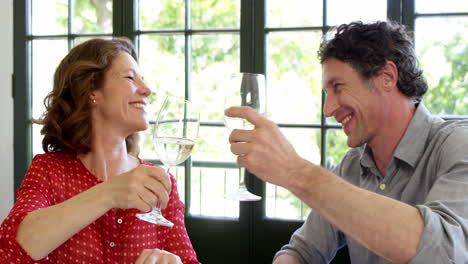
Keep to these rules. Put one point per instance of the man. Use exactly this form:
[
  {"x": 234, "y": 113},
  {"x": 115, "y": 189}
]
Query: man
[{"x": 400, "y": 194}]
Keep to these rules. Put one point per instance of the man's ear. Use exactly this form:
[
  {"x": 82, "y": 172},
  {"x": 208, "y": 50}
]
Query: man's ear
[{"x": 389, "y": 76}]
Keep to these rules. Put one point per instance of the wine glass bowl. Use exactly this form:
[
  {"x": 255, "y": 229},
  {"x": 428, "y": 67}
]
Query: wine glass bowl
[{"x": 174, "y": 137}]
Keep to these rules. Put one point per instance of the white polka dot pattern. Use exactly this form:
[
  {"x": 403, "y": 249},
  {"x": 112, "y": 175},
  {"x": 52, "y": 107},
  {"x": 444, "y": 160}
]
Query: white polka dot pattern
[{"x": 116, "y": 237}]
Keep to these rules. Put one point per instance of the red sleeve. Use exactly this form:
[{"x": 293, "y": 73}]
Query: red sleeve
[
  {"x": 178, "y": 241},
  {"x": 32, "y": 195}
]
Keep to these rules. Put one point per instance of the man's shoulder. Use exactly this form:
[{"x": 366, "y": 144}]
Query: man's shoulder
[{"x": 456, "y": 129}]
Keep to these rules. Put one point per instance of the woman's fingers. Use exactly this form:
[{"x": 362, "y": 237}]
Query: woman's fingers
[
  {"x": 157, "y": 256},
  {"x": 158, "y": 193}
]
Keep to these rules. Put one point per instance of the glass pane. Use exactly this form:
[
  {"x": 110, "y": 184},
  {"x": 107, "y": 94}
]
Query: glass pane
[
  {"x": 294, "y": 77},
  {"x": 214, "y": 57},
  {"x": 208, "y": 188},
  {"x": 437, "y": 6},
  {"x": 213, "y": 145},
  {"x": 49, "y": 17},
  {"x": 306, "y": 142},
  {"x": 280, "y": 203},
  {"x": 336, "y": 147},
  {"x": 162, "y": 14},
  {"x": 345, "y": 11},
  {"x": 162, "y": 63},
  {"x": 179, "y": 173},
  {"x": 37, "y": 139},
  {"x": 215, "y": 14},
  {"x": 46, "y": 55},
  {"x": 80, "y": 40},
  {"x": 294, "y": 13},
  {"x": 92, "y": 16},
  {"x": 442, "y": 48}
]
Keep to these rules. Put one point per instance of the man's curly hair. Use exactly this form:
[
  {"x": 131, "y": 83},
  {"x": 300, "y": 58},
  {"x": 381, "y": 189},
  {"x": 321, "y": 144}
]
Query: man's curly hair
[{"x": 367, "y": 47}]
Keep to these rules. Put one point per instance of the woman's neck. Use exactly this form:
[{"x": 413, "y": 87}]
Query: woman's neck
[{"x": 108, "y": 157}]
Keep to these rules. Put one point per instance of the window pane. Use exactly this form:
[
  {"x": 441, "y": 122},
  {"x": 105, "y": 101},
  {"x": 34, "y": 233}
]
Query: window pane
[
  {"x": 345, "y": 11},
  {"x": 213, "y": 145},
  {"x": 280, "y": 203},
  {"x": 80, "y": 40},
  {"x": 294, "y": 13},
  {"x": 162, "y": 63},
  {"x": 214, "y": 57},
  {"x": 162, "y": 14},
  {"x": 44, "y": 63},
  {"x": 92, "y": 16},
  {"x": 209, "y": 186},
  {"x": 49, "y": 17},
  {"x": 437, "y": 6},
  {"x": 37, "y": 139},
  {"x": 215, "y": 14},
  {"x": 442, "y": 48},
  {"x": 336, "y": 147},
  {"x": 294, "y": 77},
  {"x": 179, "y": 173}
]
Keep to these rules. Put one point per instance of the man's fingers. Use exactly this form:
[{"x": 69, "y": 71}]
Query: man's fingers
[
  {"x": 246, "y": 113},
  {"x": 240, "y": 149},
  {"x": 240, "y": 135}
]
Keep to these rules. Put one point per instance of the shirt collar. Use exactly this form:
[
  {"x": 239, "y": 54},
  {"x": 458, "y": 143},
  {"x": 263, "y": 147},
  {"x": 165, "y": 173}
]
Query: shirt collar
[
  {"x": 411, "y": 145},
  {"x": 414, "y": 140}
]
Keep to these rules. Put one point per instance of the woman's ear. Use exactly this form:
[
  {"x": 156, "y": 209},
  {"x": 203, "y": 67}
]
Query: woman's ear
[{"x": 92, "y": 98}]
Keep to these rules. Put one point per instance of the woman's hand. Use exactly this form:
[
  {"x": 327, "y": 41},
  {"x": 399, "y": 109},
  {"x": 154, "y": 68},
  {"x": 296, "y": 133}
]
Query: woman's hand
[
  {"x": 142, "y": 188},
  {"x": 157, "y": 256}
]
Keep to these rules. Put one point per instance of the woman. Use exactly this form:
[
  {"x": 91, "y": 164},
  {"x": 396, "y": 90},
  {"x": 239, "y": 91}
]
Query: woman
[{"x": 78, "y": 201}]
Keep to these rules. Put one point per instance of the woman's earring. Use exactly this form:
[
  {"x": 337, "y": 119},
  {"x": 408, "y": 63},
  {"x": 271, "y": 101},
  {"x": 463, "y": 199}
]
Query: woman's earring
[{"x": 94, "y": 101}]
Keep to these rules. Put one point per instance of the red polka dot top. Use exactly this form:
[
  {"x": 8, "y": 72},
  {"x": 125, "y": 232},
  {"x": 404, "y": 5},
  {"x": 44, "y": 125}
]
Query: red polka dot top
[{"x": 116, "y": 237}]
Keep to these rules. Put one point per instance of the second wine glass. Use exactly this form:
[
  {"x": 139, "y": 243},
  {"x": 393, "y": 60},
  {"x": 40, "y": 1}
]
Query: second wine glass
[
  {"x": 174, "y": 137},
  {"x": 246, "y": 89}
]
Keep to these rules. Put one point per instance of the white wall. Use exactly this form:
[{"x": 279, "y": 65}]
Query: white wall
[{"x": 6, "y": 107}]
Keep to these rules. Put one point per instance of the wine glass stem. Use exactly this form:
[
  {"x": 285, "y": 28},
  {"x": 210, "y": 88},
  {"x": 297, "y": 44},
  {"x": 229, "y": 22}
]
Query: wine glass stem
[
  {"x": 158, "y": 204},
  {"x": 242, "y": 176}
]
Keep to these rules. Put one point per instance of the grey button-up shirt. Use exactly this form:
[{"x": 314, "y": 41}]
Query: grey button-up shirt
[{"x": 429, "y": 170}]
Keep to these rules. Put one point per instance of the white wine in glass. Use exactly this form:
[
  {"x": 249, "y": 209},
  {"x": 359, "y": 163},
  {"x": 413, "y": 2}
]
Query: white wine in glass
[
  {"x": 248, "y": 90},
  {"x": 174, "y": 138}
]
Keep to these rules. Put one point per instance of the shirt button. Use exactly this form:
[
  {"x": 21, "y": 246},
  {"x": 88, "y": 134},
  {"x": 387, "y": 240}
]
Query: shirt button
[
  {"x": 382, "y": 186},
  {"x": 119, "y": 221},
  {"x": 112, "y": 244}
]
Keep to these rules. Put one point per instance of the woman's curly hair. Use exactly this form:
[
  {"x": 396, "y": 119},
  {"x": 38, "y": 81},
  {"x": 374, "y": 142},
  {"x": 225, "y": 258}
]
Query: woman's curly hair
[
  {"x": 67, "y": 119},
  {"x": 367, "y": 47}
]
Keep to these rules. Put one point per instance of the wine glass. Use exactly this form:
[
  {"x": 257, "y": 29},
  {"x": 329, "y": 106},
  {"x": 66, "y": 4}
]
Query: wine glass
[
  {"x": 174, "y": 138},
  {"x": 251, "y": 93}
]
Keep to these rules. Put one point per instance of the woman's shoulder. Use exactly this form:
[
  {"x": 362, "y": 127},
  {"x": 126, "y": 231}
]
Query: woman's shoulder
[{"x": 55, "y": 156}]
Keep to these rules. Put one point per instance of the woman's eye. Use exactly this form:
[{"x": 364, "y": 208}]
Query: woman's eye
[{"x": 130, "y": 77}]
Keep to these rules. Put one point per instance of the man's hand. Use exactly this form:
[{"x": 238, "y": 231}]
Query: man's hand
[{"x": 264, "y": 151}]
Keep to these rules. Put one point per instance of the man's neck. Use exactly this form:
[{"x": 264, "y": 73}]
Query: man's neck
[{"x": 384, "y": 145}]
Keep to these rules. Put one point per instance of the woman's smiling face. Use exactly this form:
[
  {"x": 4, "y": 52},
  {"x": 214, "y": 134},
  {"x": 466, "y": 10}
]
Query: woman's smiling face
[{"x": 120, "y": 104}]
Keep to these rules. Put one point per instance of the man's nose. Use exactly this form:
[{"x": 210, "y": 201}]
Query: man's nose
[{"x": 330, "y": 105}]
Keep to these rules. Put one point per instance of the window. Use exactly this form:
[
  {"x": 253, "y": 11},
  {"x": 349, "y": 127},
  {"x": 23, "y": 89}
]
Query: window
[
  {"x": 187, "y": 47},
  {"x": 442, "y": 47}
]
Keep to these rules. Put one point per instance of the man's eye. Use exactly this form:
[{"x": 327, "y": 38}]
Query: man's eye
[{"x": 130, "y": 77}]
